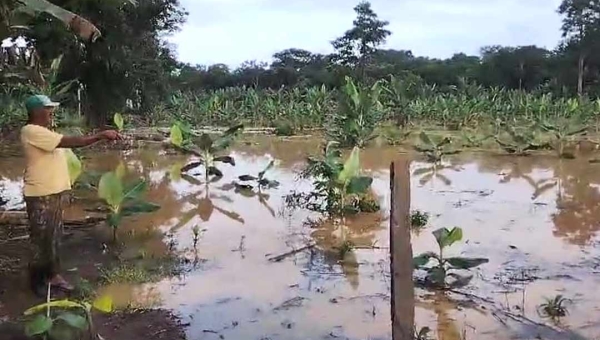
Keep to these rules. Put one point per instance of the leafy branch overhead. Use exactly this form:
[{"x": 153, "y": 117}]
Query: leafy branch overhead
[{"x": 209, "y": 150}]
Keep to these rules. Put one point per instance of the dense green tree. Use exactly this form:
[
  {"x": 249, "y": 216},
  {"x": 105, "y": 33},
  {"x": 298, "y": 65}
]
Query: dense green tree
[
  {"x": 581, "y": 29},
  {"x": 523, "y": 68},
  {"x": 130, "y": 63},
  {"x": 359, "y": 44}
]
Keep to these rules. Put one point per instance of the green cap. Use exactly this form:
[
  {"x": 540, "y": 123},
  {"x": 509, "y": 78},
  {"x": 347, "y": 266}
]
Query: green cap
[{"x": 39, "y": 101}]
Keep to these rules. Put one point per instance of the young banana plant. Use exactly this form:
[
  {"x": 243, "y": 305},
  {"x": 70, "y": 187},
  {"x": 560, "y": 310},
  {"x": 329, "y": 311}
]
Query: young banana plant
[
  {"x": 474, "y": 140},
  {"x": 207, "y": 149},
  {"x": 336, "y": 183},
  {"x": 443, "y": 274},
  {"x": 521, "y": 143},
  {"x": 122, "y": 199},
  {"x": 563, "y": 131},
  {"x": 435, "y": 149},
  {"x": 65, "y": 319}
]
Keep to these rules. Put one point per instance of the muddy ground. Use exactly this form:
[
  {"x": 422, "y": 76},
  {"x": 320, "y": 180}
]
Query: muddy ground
[
  {"x": 535, "y": 218},
  {"x": 84, "y": 258}
]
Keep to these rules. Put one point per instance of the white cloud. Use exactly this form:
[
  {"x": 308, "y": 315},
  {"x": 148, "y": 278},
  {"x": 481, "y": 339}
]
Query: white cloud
[{"x": 232, "y": 31}]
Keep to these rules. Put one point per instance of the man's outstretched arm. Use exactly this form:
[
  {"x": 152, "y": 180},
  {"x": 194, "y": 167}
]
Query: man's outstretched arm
[{"x": 81, "y": 141}]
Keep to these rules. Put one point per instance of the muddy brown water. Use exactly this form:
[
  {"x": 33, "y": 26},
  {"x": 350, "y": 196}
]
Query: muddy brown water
[{"x": 536, "y": 218}]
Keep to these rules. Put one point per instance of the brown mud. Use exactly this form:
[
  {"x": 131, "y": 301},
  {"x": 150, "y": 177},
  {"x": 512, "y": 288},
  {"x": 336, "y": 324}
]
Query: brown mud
[{"x": 535, "y": 218}]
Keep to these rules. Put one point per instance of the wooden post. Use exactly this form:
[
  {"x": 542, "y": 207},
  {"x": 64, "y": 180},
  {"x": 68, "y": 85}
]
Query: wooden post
[{"x": 401, "y": 264}]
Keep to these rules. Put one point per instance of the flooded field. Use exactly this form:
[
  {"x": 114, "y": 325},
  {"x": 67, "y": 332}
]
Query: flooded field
[{"x": 535, "y": 218}]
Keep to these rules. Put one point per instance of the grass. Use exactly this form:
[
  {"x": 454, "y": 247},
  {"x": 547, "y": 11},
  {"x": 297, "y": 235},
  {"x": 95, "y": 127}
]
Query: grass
[
  {"x": 126, "y": 274},
  {"x": 143, "y": 270},
  {"x": 554, "y": 308}
]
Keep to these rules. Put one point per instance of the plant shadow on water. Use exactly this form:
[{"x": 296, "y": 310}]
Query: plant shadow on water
[{"x": 316, "y": 293}]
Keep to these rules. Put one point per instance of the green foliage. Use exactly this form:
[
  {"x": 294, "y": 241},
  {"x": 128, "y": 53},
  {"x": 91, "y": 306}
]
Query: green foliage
[
  {"x": 434, "y": 148},
  {"x": 418, "y": 219},
  {"x": 564, "y": 130},
  {"x": 443, "y": 274},
  {"x": 207, "y": 149},
  {"x": 520, "y": 142},
  {"x": 284, "y": 128},
  {"x": 126, "y": 273},
  {"x": 64, "y": 319},
  {"x": 361, "y": 41},
  {"x": 74, "y": 165},
  {"x": 554, "y": 308},
  {"x": 357, "y": 116},
  {"x": 475, "y": 140},
  {"x": 122, "y": 199},
  {"x": 118, "y": 121},
  {"x": 423, "y": 334},
  {"x": 338, "y": 187}
]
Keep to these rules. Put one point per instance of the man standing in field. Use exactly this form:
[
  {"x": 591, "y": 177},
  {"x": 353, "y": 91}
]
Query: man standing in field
[{"x": 46, "y": 180}]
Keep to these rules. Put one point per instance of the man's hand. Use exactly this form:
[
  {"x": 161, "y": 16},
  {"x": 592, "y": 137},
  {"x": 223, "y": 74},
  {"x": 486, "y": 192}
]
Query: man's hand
[
  {"x": 110, "y": 135},
  {"x": 81, "y": 141}
]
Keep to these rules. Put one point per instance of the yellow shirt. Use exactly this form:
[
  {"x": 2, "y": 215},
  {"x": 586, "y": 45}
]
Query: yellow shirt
[{"x": 46, "y": 171}]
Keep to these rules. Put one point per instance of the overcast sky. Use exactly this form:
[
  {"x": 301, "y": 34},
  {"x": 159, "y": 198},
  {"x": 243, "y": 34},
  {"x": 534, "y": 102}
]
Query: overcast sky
[{"x": 233, "y": 31}]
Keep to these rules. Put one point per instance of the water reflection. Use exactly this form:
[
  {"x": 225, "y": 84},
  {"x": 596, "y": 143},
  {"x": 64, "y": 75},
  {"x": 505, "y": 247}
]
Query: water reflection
[
  {"x": 202, "y": 203},
  {"x": 431, "y": 172},
  {"x": 263, "y": 198},
  {"x": 536, "y": 209}
]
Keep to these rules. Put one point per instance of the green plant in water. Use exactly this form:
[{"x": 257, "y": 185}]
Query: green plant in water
[
  {"x": 207, "y": 149},
  {"x": 564, "y": 131},
  {"x": 521, "y": 142},
  {"x": 554, "y": 308},
  {"x": 393, "y": 135},
  {"x": 418, "y": 220},
  {"x": 433, "y": 148},
  {"x": 358, "y": 114},
  {"x": 122, "y": 199},
  {"x": 475, "y": 140},
  {"x": 423, "y": 334},
  {"x": 64, "y": 319},
  {"x": 261, "y": 181},
  {"x": 338, "y": 184},
  {"x": 119, "y": 121},
  {"x": 182, "y": 133},
  {"x": 443, "y": 274}
]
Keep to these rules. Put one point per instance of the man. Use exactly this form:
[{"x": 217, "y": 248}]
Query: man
[{"x": 46, "y": 180}]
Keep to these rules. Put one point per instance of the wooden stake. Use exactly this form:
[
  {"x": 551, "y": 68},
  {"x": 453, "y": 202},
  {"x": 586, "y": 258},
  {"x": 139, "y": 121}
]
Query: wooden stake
[{"x": 401, "y": 264}]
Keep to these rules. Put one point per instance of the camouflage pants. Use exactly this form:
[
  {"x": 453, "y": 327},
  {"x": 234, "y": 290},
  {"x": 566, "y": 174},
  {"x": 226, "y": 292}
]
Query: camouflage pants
[{"x": 45, "y": 229}]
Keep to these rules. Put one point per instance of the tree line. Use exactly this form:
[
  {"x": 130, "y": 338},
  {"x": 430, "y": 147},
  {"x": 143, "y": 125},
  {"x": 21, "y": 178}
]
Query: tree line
[
  {"x": 116, "y": 52},
  {"x": 573, "y": 67}
]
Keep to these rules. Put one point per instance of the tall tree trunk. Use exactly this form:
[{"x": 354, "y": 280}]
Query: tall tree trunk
[
  {"x": 580, "y": 69},
  {"x": 401, "y": 257},
  {"x": 521, "y": 74}
]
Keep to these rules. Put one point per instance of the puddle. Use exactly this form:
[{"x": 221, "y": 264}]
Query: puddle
[{"x": 535, "y": 218}]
